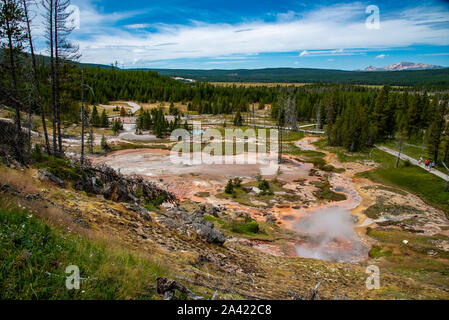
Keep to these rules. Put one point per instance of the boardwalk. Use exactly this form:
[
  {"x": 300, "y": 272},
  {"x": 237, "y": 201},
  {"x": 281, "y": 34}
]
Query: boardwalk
[
  {"x": 303, "y": 129},
  {"x": 414, "y": 161}
]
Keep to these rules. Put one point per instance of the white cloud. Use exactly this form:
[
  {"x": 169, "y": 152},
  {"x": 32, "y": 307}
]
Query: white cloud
[
  {"x": 323, "y": 32},
  {"x": 380, "y": 56},
  {"x": 137, "y": 26},
  {"x": 436, "y": 54}
]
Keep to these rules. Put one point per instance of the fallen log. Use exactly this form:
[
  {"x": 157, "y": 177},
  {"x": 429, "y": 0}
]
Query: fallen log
[{"x": 168, "y": 287}]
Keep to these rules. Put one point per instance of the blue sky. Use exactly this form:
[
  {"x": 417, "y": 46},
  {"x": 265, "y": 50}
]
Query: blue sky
[{"x": 231, "y": 34}]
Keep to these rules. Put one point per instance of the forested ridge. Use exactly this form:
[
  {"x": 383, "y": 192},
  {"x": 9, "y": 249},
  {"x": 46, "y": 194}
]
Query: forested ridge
[{"x": 436, "y": 78}]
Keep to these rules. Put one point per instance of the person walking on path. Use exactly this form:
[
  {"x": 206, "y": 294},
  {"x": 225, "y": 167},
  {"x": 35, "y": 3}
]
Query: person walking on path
[
  {"x": 420, "y": 160},
  {"x": 432, "y": 165},
  {"x": 427, "y": 164}
]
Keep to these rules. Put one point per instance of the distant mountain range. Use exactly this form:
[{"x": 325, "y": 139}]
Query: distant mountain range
[{"x": 401, "y": 66}]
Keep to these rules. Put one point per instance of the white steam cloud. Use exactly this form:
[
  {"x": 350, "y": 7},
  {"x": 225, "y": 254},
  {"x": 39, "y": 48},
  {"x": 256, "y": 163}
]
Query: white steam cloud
[{"x": 330, "y": 236}]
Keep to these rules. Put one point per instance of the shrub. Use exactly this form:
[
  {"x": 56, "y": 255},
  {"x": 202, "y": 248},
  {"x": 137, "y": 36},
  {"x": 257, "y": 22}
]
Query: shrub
[
  {"x": 104, "y": 144},
  {"x": 36, "y": 153},
  {"x": 264, "y": 185},
  {"x": 237, "y": 182},
  {"x": 245, "y": 228},
  {"x": 407, "y": 163},
  {"x": 229, "y": 187},
  {"x": 117, "y": 126}
]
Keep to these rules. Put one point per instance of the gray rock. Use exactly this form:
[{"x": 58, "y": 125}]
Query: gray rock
[
  {"x": 256, "y": 190},
  {"x": 44, "y": 175},
  {"x": 141, "y": 211},
  {"x": 117, "y": 192},
  {"x": 208, "y": 233},
  {"x": 192, "y": 223},
  {"x": 214, "y": 211}
]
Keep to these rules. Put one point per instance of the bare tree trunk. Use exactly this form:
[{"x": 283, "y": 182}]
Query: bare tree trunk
[
  {"x": 52, "y": 70},
  {"x": 57, "y": 84},
  {"x": 36, "y": 77},
  {"x": 14, "y": 81},
  {"x": 279, "y": 136},
  {"x": 82, "y": 118},
  {"x": 319, "y": 126},
  {"x": 446, "y": 151},
  {"x": 400, "y": 151}
]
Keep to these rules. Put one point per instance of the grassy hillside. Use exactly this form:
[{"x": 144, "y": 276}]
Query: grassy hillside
[
  {"x": 34, "y": 256},
  {"x": 283, "y": 75}
]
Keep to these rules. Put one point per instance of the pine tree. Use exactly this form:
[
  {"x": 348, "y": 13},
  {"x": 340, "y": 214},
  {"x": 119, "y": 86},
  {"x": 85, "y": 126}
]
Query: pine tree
[
  {"x": 104, "y": 144},
  {"x": 12, "y": 29},
  {"x": 380, "y": 116},
  {"x": 117, "y": 126},
  {"x": 436, "y": 129},
  {"x": 90, "y": 141},
  {"x": 104, "y": 121},
  {"x": 238, "y": 120},
  {"x": 229, "y": 187}
]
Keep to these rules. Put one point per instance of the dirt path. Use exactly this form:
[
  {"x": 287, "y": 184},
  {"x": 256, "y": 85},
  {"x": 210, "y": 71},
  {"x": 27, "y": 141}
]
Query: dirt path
[{"x": 414, "y": 161}]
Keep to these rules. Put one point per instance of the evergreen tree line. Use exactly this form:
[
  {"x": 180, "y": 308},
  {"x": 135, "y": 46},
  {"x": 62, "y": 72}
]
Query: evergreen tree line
[
  {"x": 156, "y": 122},
  {"x": 357, "y": 121}
]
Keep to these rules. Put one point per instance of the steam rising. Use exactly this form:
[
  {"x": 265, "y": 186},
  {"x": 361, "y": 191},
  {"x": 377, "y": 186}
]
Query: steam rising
[{"x": 330, "y": 236}]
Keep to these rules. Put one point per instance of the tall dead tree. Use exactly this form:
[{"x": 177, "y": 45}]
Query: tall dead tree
[
  {"x": 280, "y": 123},
  {"x": 319, "y": 125},
  {"x": 84, "y": 86},
  {"x": 49, "y": 7},
  {"x": 65, "y": 51},
  {"x": 36, "y": 87},
  {"x": 291, "y": 113},
  {"x": 58, "y": 28}
]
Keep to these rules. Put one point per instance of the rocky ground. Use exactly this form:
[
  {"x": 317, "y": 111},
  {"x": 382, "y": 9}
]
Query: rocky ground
[{"x": 197, "y": 242}]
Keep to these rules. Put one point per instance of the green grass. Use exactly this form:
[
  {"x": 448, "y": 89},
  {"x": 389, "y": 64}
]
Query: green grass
[
  {"x": 241, "y": 196},
  {"x": 412, "y": 260},
  {"x": 415, "y": 152},
  {"x": 325, "y": 193},
  {"x": 246, "y": 227},
  {"x": 34, "y": 257},
  {"x": 411, "y": 178},
  {"x": 376, "y": 210},
  {"x": 378, "y": 252},
  {"x": 292, "y": 136},
  {"x": 342, "y": 154}
]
